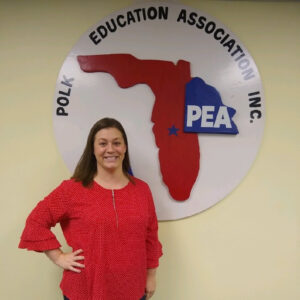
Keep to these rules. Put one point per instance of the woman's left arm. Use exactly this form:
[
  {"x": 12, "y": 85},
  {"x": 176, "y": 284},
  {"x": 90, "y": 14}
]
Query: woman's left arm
[{"x": 153, "y": 246}]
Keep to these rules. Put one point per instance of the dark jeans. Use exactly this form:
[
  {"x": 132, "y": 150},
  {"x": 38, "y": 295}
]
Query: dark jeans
[{"x": 143, "y": 298}]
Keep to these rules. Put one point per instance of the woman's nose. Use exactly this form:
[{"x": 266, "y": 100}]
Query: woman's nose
[{"x": 110, "y": 147}]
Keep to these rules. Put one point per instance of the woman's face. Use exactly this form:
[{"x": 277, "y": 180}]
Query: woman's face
[{"x": 109, "y": 149}]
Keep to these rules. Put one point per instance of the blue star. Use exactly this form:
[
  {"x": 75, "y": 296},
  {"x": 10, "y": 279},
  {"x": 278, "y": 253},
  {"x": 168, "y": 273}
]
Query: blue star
[{"x": 173, "y": 130}]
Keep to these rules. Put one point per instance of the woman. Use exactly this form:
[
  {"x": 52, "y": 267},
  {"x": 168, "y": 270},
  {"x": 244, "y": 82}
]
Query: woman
[{"x": 107, "y": 217}]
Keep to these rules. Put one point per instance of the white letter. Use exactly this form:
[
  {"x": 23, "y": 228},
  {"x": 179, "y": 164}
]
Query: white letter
[
  {"x": 222, "y": 118},
  {"x": 206, "y": 116},
  {"x": 193, "y": 114}
]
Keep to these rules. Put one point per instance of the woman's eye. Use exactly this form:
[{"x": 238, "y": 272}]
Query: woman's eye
[
  {"x": 117, "y": 143},
  {"x": 102, "y": 144}
]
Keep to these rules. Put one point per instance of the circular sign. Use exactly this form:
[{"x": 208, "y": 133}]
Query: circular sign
[{"x": 187, "y": 92}]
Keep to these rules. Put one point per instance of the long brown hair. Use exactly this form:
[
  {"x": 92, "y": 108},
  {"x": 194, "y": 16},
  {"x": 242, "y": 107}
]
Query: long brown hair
[{"x": 86, "y": 168}]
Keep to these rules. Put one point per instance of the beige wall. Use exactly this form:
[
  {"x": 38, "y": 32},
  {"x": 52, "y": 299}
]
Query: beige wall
[{"x": 246, "y": 247}]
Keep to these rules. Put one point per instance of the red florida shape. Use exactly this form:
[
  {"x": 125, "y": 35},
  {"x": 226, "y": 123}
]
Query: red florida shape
[{"x": 179, "y": 153}]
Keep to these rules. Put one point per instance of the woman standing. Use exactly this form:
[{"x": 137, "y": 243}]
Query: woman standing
[{"x": 107, "y": 217}]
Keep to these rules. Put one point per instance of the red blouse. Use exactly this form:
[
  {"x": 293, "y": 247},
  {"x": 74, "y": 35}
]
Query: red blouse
[{"x": 117, "y": 230}]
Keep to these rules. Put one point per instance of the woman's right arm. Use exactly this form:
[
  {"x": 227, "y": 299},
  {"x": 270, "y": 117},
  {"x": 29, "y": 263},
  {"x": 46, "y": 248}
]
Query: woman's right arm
[{"x": 37, "y": 234}]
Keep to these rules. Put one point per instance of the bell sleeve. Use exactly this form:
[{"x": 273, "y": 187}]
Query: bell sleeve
[
  {"x": 153, "y": 246},
  {"x": 37, "y": 235}
]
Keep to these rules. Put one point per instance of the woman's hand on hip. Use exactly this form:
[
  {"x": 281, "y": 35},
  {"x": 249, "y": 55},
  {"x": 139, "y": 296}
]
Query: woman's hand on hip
[{"x": 67, "y": 261}]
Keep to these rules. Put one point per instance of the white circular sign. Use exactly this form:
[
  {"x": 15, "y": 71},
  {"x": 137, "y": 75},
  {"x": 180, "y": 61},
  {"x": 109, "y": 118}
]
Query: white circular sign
[{"x": 187, "y": 92}]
